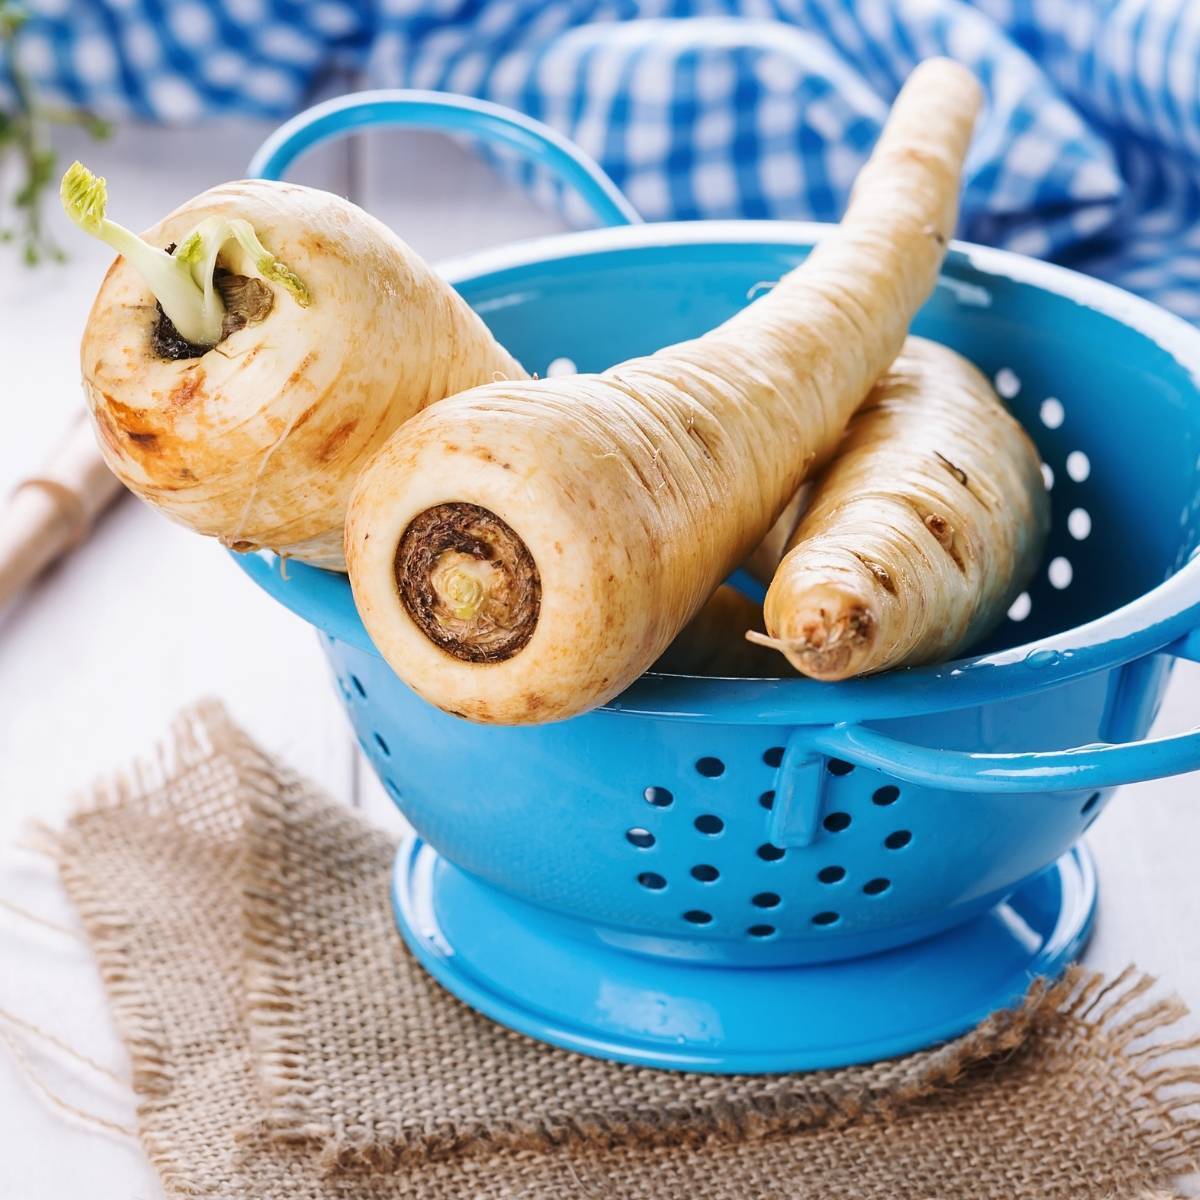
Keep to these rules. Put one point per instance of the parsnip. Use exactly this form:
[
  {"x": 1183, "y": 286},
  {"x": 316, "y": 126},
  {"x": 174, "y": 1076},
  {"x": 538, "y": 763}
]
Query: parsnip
[
  {"x": 246, "y": 404},
  {"x": 714, "y": 641},
  {"x": 521, "y": 552},
  {"x": 926, "y": 525},
  {"x": 764, "y": 558}
]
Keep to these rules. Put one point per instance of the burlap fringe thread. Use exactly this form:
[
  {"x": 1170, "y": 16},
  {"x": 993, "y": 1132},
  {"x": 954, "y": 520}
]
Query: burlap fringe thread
[
  {"x": 195, "y": 735},
  {"x": 1107, "y": 1009},
  {"x": 1167, "y": 1093}
]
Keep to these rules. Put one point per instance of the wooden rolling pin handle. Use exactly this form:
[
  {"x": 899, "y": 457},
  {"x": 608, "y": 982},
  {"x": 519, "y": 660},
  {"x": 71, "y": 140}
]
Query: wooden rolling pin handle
[
  {"x": 52, "y": 511},
  {"x": 70, "y": 509}
]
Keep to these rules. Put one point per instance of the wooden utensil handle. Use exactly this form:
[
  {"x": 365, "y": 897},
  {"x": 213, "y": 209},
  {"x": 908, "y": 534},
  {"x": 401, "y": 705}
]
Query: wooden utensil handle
[{"x": 52, "y": 511}]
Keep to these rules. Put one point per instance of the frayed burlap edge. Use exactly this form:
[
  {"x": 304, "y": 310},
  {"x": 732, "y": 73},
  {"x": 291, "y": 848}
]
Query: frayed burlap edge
[
  {"x": 195, "y": 736},
  {"x": 1117, "y": 1016}
]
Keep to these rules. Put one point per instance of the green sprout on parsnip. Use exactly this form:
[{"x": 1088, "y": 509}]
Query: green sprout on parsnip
[
  {"x": 183, "y": 282},
  {"x": 196, "y": 312},
  {"x": 266, "y": 264}
]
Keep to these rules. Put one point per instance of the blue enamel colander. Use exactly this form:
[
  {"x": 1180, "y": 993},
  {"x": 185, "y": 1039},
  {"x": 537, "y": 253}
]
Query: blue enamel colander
[{"x": 767, "y": 875}]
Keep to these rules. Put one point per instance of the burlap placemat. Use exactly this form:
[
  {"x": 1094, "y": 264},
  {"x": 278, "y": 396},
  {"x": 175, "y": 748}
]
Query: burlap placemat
[{"x": 285, "y": 1045}]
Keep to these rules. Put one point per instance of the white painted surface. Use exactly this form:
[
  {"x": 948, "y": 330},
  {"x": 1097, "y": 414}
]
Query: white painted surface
[{"x": 146, "y": 618}]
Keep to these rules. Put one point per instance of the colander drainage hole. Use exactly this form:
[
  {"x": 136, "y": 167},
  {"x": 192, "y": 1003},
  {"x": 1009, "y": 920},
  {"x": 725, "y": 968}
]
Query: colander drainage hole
[
  {"x": 651, "y": 880},
  {"x": 826, "y": 918},
  {"x": 709, "y": 767},
  {"x": 897, "y": 840},
  {"x": 876, "y": 887},
  {"x": 659, "y": 797},
  {"x": 1060, "y": 573},
  {"x": 383, "y": 746},
  {"x": 831, "y": 874},
  {"x": 837, "y": 821},
  {"x": 839, "y": 766},
  {"x": 767, "y": 800},
  {"x": 705, "y": 873},
  {"x": 393, "y": 790},
  {"x": 1089, "y": 804},
  {"x": 1021, "y": 607},
  {"x": 765, "y": 900},
  {"x": 697, "y": 916},
  {"x": 886, "y": 795},
  {"x": 1008, "y": 382},
  {"x": 769, "y": 853},
  {"x": 1052, "y": 412},
  {"x": 358, "y": 687},
  {"x": 709, "y": 824},
  {"x": 642, "y": 838},
  {"x": 761, "y": 931},
  {"x": 774, "y": 756}
]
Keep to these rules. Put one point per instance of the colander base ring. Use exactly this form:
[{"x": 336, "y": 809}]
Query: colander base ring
[{"x": 499, "y": 956}]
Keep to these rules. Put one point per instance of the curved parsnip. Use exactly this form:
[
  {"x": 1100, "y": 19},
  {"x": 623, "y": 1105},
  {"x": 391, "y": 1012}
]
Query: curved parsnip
[
  {"x": 926, "y": 525},
  {"x": 761, "y": 562},
  {"x": 522, "y": 552},
  {"x": 295, "y": 334},
  {"x": 714, "y": 642}
]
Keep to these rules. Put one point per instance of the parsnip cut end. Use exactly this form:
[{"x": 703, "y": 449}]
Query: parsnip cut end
[{"x": 469, "y": 582}]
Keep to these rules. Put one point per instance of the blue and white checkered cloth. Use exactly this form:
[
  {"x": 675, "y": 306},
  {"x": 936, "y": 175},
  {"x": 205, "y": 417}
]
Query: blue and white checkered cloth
[{"x": 1088, "y": 153}]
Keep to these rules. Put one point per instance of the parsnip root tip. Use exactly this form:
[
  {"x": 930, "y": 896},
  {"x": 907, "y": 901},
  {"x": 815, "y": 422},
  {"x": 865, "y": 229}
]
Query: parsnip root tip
[
  {"x": 830, "y": 642},
  {"x": 469, "y": 582}
]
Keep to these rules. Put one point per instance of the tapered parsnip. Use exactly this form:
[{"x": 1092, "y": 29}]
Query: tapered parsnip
[
  {"x": 522, "y": 552},
  {"x": 926, "y": 525},
  {"x": 295, "y": 334},
  {"x": 764, "y": 558},
  {"x": 714, "y": 641}
]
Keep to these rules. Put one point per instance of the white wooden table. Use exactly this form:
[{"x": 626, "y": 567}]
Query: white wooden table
[{"x": 147, "y": 617}]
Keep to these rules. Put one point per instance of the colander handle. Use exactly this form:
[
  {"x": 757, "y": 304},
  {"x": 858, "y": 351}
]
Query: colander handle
[
  {"x": 413, "y": 109},
  {"x": 1098, "y": 766}
]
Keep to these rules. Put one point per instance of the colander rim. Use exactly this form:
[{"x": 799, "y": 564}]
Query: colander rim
[{"x": 1147, "y": 624}]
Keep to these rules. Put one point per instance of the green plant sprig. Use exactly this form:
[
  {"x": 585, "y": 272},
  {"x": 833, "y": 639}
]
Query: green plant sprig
[{"x": 25, "y": 140}]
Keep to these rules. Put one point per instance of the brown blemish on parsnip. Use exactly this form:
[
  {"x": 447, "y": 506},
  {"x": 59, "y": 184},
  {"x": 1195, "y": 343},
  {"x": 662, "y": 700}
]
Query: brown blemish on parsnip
[
  {"x": 957, "y": 472},
  {"x": 944, "y": 532},
  {"x": 299, "y": 373},
  {"x": 106, "y": 430},
  {"x": 508, "y": 613},
  {"x": 186, "y": 389},
  {"x": 306, "y": 415},
  {"x": 335, "y": 441},
  {"x": 880, "y": 572},
  {"x": 121, "y": 422}
]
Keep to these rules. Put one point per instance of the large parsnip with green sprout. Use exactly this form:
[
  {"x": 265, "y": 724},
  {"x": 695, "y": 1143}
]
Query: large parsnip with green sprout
[
  {"x": 915, "y": 541},
  {"x": 241, "y": 381},
  {"x": 521, "y": 552}
]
